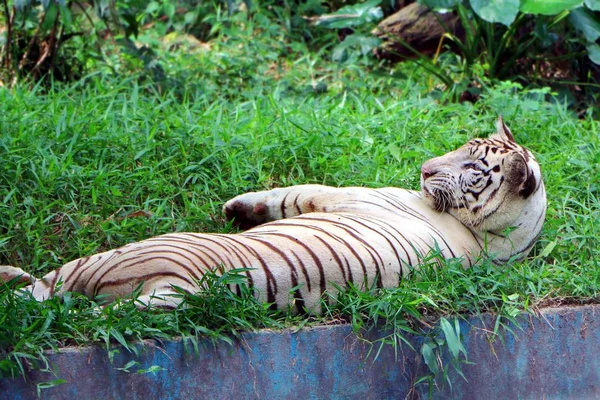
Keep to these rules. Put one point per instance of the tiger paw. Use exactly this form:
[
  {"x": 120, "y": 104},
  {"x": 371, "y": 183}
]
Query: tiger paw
[{"x": 248, "y": 210}]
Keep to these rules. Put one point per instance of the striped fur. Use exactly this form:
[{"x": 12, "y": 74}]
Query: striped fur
[{"x": 315, "y": 238}]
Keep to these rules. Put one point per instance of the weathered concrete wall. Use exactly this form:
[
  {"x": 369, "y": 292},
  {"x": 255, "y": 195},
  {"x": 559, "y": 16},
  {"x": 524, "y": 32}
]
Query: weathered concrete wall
[{"x": 554, "y": 356}]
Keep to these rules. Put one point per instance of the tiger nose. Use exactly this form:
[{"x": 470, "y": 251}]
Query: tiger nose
[{"x": 426, "y": 172}]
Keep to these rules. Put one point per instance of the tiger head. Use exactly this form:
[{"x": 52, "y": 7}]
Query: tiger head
[{"x": 487, "y": 184}]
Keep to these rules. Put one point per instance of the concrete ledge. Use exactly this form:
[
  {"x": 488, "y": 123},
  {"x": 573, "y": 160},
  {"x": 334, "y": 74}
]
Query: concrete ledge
[{"x": 554, "y": 356}]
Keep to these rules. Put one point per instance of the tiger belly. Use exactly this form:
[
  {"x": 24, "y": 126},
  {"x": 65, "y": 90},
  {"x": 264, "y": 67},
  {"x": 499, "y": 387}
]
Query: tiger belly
[{"x": 312, "y": 252}]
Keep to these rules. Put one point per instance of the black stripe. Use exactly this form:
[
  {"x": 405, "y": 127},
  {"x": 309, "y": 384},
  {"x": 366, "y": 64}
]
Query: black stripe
[
  {"x": 366, "y": 245},
  {"x": 395, "y": 235},
  {"x": 411, "y": 212},
  {"x": 428, "y": 223},
  {"x": 378, "y": 205},
  {"x": 197, "y": 244},
  {"x": 92, "y": 278},
  {"x": 81, "y": 270},
  {"x": 304, "y": 271},
  {"x": 154, "y": 249},
  {"x": 244, "y": 261},
  {"x": 296, "y": 206},
  {"x": 531, "y": 242},
  {"x": 283, "y": 205},
  {"x": 271, "y": 282},
  {"x": 227, "y": 249},
  {"x": 419, "y": 216},
  {"x": 349, "y": 268},
  {"x": 476, "y": 194},
  {"x": 138, "y": 279},
  {"x": 75, "y": 274},
  {"x": 335, "y": 257},
  {"x": 292, "y": 267},
  {"x": 318, "y": 263},
  {"x": 147, "y": 256},
  {"x": 489, "y": 213},
  {"x": 323, "y": 231}
]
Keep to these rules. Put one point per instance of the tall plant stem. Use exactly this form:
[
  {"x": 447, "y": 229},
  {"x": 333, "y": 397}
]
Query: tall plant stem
[{"x": 10, "y": 18}]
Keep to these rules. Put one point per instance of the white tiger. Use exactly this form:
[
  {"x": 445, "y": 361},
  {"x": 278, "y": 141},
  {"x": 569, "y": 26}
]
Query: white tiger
[{"x": 488, "y": 194}]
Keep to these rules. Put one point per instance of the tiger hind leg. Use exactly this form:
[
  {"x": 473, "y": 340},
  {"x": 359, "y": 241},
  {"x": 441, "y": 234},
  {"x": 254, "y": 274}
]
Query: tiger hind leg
[
  {"x": 164, "y": 299},
  {"x": 14, "y": 274},
  {"x": 40, "y": 289}
]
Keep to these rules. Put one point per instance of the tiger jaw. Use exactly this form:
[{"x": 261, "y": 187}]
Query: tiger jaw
[
  {"x": 438, "y": 192},
  {"x": 436, "y": 199}
]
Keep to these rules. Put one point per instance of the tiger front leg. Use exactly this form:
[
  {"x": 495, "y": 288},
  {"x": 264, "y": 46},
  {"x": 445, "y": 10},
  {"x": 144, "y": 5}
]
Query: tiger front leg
[{"x": 252, "y": 209}]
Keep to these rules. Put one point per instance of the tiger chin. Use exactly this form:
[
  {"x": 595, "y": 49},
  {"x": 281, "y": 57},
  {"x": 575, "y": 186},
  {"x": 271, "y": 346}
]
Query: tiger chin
[{"x": 302, "y": 241}]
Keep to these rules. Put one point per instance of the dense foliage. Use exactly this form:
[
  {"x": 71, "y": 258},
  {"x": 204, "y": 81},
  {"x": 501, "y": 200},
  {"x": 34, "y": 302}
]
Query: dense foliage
[
  {"x": 534, "y": 42},
  {"x": 549, "y": 43}
]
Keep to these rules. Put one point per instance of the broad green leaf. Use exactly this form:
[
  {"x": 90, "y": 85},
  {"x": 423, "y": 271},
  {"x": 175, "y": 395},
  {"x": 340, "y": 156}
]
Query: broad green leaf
[
  {"x": 513, "y": 297},
  {"x": 169, "y": 9},
  {"x": 357, "y": 14},
  {"x": 140, "y": 154},
  {"x": 394, "y": 151},
  {"x": 118, "y": 336},
  {"x": 585, "y": 21},
  {"x": 548, "y": 249},
  {"x": 503, "y": 11},
  {"x": 50, "y": 17},
  {"x": 429, "y": 357},
  {"x": 4, "y": 241},
  {"x": 67, "y": 17},
  {"x": 594, "y": 53},
  {"x": 452, "y": 337},
  {"x": 190, "y": 17},
  {"x": 152, "y": 7},
  {"x": 549, "y": 7},
  {"x": 593, "y": 4},
  {"x": 46, "y": 3},
  {"x": 361, "y": 43},
  {"x": 440, "y": 3},
  {"x": 104, "y": 6}
]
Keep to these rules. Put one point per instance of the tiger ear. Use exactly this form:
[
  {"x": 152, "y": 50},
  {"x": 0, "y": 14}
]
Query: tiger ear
[
  {"x": 503, "y": 131},
  {"x": 519, "y": 176}
]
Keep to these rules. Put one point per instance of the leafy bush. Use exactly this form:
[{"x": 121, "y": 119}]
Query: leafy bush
[
  {"x": 532, "y": 40},
  {"x": 64, "y": 39},
  {"x": 358, "y": 44},
  {"x": 35, "y": 38},
  {"x": 517, "y": 14}
]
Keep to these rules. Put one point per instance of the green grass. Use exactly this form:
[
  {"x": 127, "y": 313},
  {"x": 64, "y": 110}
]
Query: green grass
[{"x": 110, "y": 160}]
